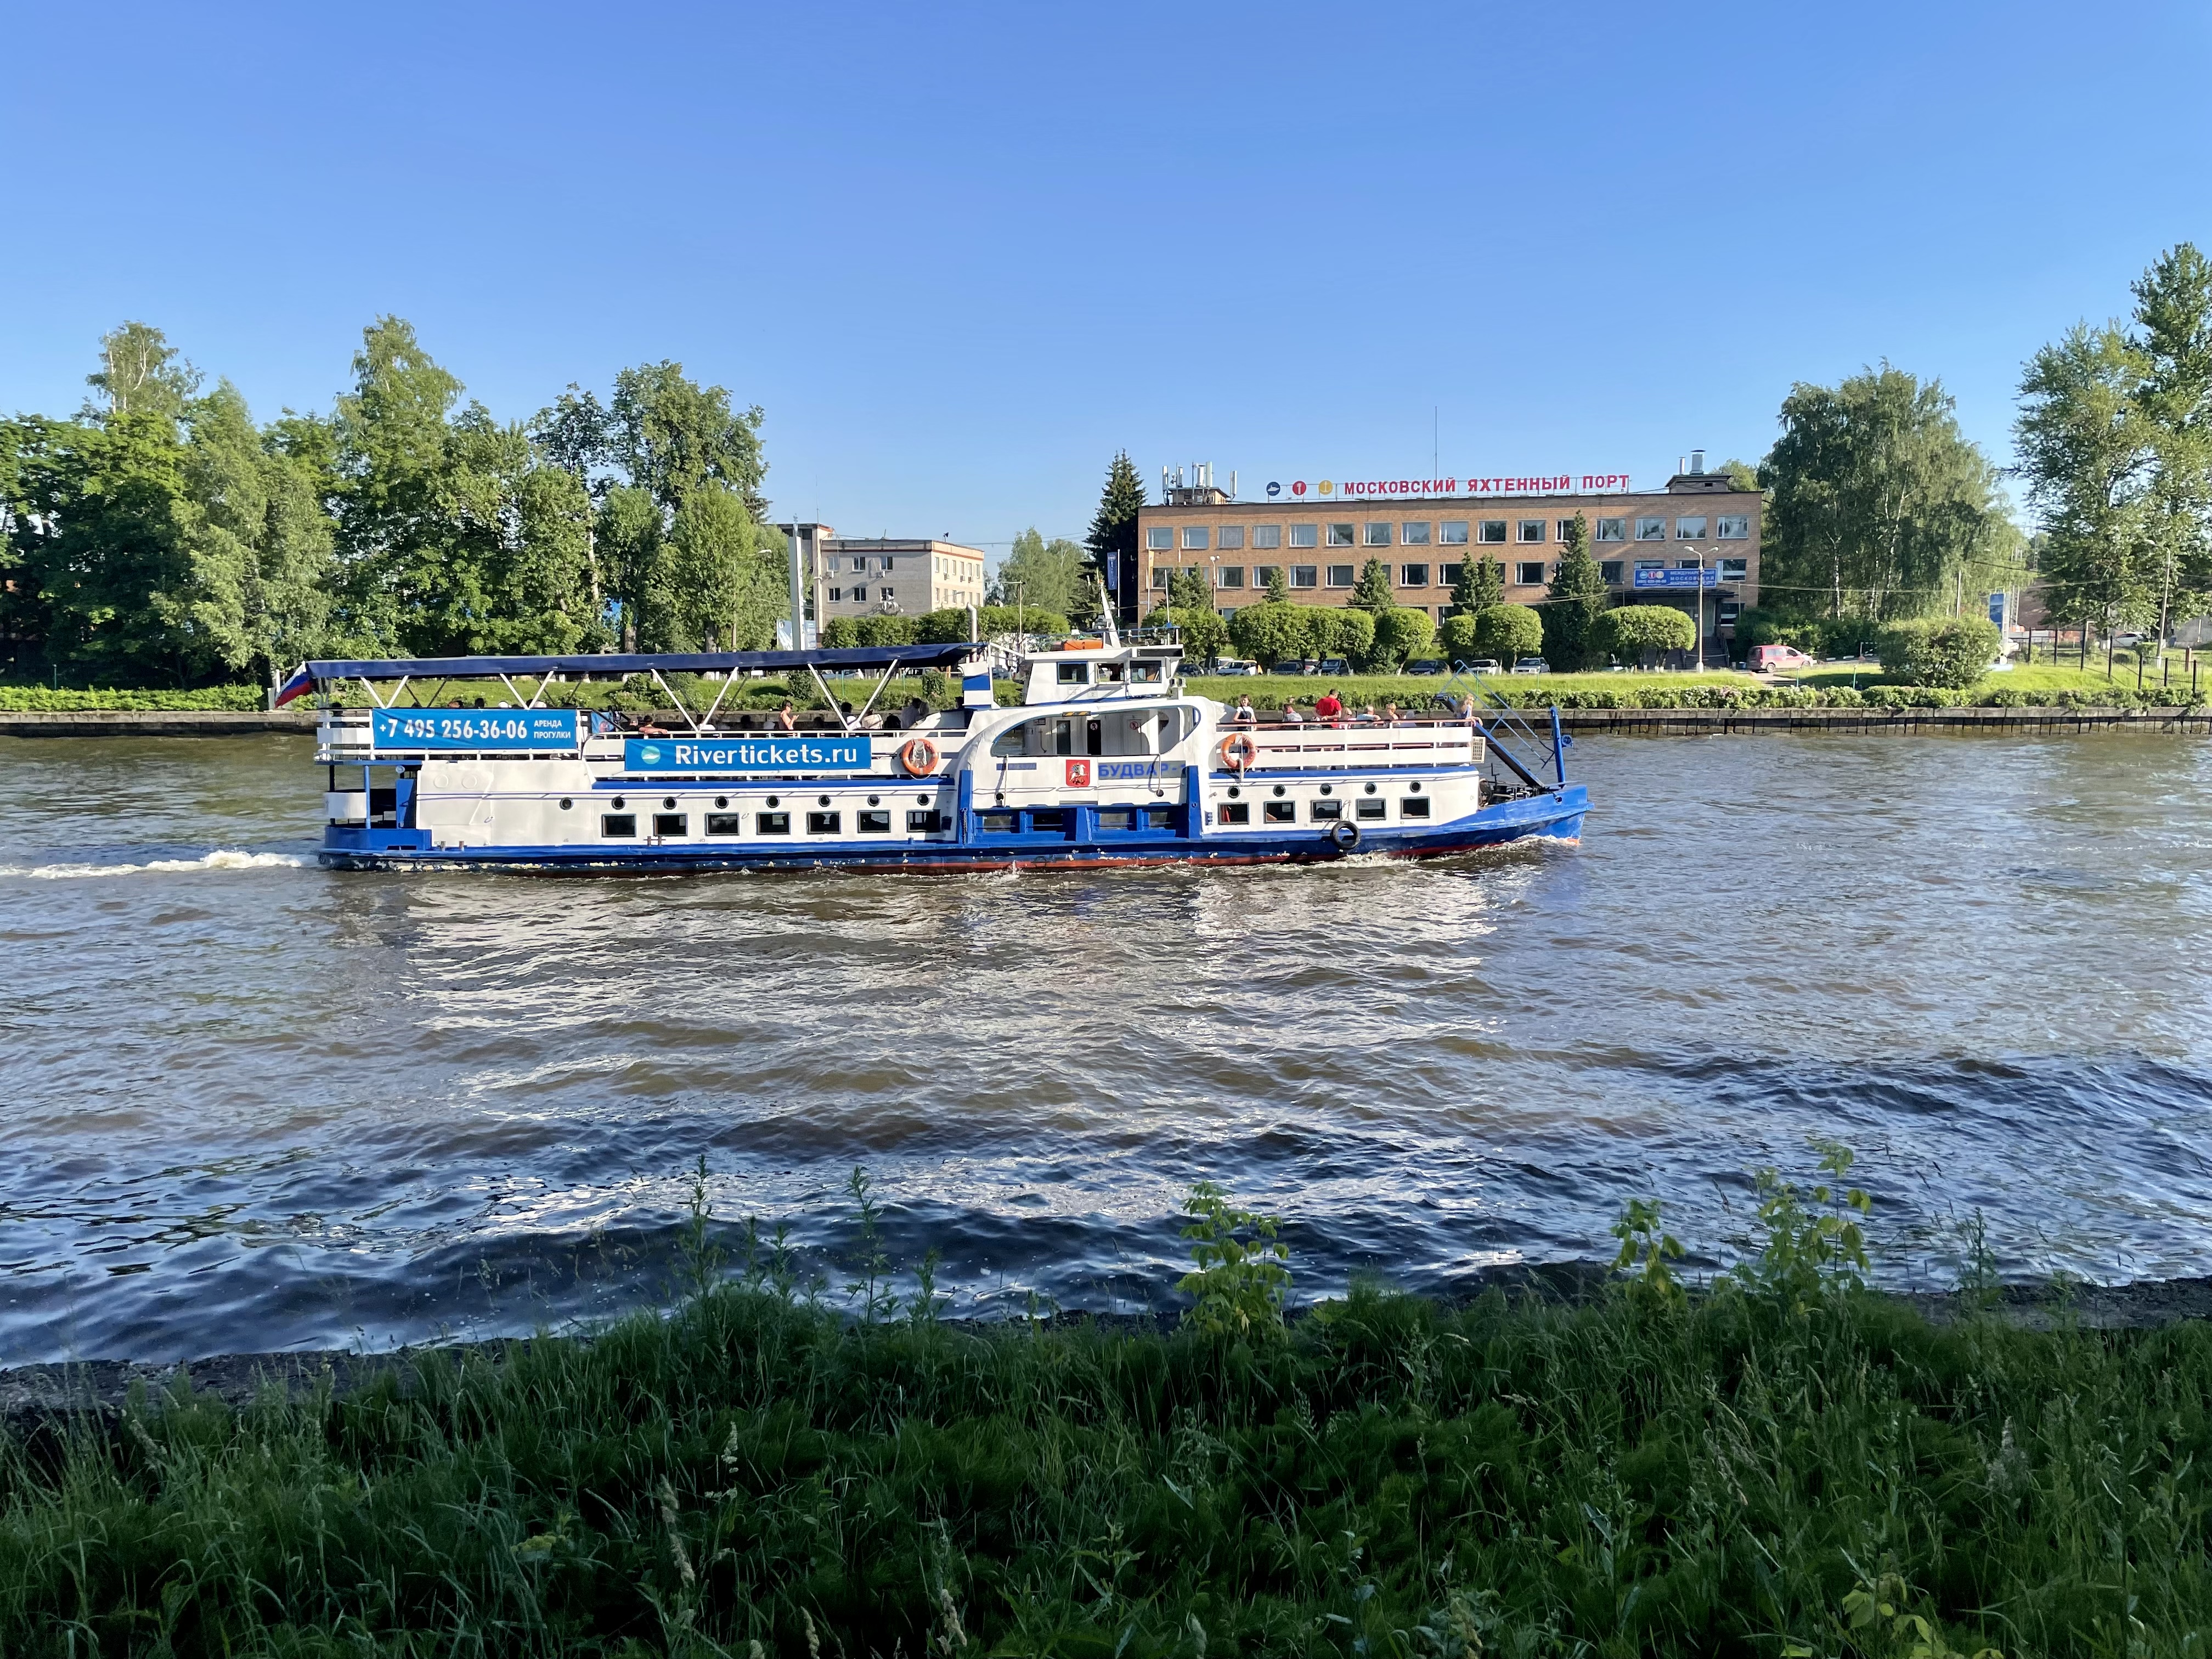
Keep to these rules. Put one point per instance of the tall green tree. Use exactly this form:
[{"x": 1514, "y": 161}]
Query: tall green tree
[
  {"x": 1577, "y": 597},
  {"x": 140, "y": 373},
  {"x": 2173, "y": 335},
  {"x": 2085, "y": 450},
  {"x": 1113, "y": 527},
  {"x": 1279, "y": 586},
  {"x": 673, "y": 437},
  {"x": 1044, "y": 575},
  {"x": 724, "y": 579},
  {"x": 1374, "y": 592},
  {"x": 1190, "y": 589},
  {"x": 1481, "y": 584},
  {"x": 1881, "y": 506}
]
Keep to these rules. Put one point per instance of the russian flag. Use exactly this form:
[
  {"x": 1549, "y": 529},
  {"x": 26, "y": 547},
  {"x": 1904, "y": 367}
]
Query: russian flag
[{"x": 299, "y": 685}]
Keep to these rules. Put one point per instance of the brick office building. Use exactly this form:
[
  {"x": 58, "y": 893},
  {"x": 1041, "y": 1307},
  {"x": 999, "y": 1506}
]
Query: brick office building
[{"x": 1651, "y": 545}]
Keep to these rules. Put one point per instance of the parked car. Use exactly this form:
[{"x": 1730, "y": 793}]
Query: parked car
[
  {"x": 1235, "y": 665},
  {"x": 1295, "y": 666},
  {"x": 1532, "y": 665},
  {"x": 1778, "y": 659},
  {"x": 1484, "y": 665},
  {"x": 1334, "y": 665},
  {"x": 1426, "y": 665}
]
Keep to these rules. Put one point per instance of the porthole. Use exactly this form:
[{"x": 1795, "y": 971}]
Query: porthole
[
  {"x": 875, "y": 800},
  {"x": 1279, "y": 788},
  {"x": 566, "y": 803},
  {"x": 822, "y": 801},
  {"x": 1234, "y": 792},
  {"x": 772, "y": 801},
  {"x": 1370, "y": 788},
  {"x": 921, "y": 801},
  {"x": 668, "y": 803},
  {"x": 1416, "y": 789},
  {"x": 1328, "y": 789},
  {"x": 722, "y": 801},
  {"x": 618, "y": 803}
]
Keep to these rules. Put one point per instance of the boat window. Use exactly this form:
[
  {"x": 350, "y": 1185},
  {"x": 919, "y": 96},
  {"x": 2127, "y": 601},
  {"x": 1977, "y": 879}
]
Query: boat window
[
  {"x": 1282, "y": 811},
  {"x": 1117, "y": 817},
  {"x": 1159, "y": 817},
  {"x": 667, "y": 824},
  {"x": 1371, "y": 808},
  {"x": 824, "y": 823},
  {"x": 996, "y": 823},
  {"x": 1323, "y": 811},
  {"x": 725, "y": 823},
  {"x": 924, "y": 824},
  {"x": 1061, "y": 736},
  {"x": 1145, "y": 673},
  {"x": 872, "y": 823},
  {"x": 1094, "y": 736},
  {"x": 1414, "y": 806},
  {"x": 619, "y": 826},
  {"x": 1075, "y": 673},
  {"x": 1053, "y": 819},
  {"x": 1235, "y": 812},
  {"x": 1110, "y": 673},
  {"x": 1011, "y": 741},
  {"x": 772, "y": 823}
]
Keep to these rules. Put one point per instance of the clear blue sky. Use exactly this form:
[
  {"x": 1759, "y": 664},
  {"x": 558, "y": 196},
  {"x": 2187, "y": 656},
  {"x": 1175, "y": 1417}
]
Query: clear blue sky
[{"x": 961, "y": 254}]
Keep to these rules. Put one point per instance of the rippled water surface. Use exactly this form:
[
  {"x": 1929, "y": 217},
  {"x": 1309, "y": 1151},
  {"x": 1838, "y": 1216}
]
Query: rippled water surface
[{"x": 248, "y": 1104}]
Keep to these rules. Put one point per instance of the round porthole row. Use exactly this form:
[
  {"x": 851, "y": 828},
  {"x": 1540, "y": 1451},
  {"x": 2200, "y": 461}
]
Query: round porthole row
[
  {"x": 1328, "y": 789},
  {"x": 720, "y": 801},
  {"x": 1279, "y": 788},
  {"x": 668, "y": 803},
  {"x": 822, "y": 801},
  {"x": 566, "y": 803},
  {"x": 1370, "y": 788},
  {"x": 618, "y": 803}
]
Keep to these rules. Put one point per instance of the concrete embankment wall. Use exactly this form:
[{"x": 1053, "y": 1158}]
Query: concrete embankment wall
[{"x": 1686, "y": 722}]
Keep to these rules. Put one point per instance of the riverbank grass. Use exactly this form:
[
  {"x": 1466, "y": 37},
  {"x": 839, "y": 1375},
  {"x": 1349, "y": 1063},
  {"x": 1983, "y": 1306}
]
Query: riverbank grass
[{"x": 1784, "y": 1465}]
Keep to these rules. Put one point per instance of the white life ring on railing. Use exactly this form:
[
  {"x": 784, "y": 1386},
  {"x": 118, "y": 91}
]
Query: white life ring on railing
[
  {"x": 1238, "y": 751},
  {"x": 919, "y": 757}
]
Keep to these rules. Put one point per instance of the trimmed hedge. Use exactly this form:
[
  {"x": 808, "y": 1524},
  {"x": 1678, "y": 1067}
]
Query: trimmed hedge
[{"x": 43, "y": 699}]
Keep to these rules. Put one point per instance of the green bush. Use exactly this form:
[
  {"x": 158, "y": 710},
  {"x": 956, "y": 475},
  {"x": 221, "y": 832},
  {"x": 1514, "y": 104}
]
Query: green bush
[
  {"x": 1273, "y": 631},
  {"x": 1205, "y": 636},
  {"x": 44, "y": 700},
  {"x": 1400, "y": 635},
  {"x": 1954, "y": 652},
  {"x": 1509, "y": 632},
  {"x": 1025, "y": 619},
  {"x": 1635, "y": 632}
]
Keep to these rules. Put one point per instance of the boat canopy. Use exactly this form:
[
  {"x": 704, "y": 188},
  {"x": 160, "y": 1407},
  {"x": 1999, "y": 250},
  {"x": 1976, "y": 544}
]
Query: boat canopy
[{"x": 861, "y": 659}]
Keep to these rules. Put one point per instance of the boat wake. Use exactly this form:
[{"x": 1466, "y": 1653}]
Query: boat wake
[{"x": 223, "y": 857}]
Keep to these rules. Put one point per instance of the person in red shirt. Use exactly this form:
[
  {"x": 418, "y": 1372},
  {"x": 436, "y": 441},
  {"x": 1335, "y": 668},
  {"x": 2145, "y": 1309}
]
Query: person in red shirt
[{"x": 1327, "y": 706}]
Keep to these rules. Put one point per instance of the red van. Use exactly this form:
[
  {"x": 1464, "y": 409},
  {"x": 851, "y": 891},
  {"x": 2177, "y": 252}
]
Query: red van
[{"x": 1778, "y": 659}]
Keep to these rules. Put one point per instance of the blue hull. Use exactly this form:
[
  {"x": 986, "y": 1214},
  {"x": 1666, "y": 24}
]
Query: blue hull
[{"x": 1556, "y": 816}]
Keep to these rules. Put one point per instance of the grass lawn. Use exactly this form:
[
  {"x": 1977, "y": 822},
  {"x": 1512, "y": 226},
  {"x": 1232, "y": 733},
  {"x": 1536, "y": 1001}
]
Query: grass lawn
[{"x": 2043, "y": 678}]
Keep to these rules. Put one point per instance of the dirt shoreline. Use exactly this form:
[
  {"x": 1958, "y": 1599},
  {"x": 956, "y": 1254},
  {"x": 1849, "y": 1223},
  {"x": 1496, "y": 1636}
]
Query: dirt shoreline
[{"x": 99, "y": 1388}]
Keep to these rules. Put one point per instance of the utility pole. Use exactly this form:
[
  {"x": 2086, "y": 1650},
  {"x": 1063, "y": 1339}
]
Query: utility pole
[{"x": 798, "y": 600}]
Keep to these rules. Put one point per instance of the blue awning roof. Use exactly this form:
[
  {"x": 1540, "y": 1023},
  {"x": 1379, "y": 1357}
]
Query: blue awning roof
[{"x": 696, "y": 662}]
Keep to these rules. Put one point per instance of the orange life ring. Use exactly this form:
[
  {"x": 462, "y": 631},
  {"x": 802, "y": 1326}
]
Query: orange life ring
[
  {"x": 1238, "y": 751},
  {"x": 919, "y": 756}
]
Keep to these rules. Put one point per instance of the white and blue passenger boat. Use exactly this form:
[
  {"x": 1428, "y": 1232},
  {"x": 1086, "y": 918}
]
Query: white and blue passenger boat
[{"x": 1108, "y": 760}]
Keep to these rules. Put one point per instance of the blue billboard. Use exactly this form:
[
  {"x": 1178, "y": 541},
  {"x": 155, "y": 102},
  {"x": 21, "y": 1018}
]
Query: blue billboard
[
  {"x": 476, "y": 730},
  {"x": 775, "y": 754},
  {"x": 1710, "y": 577}
]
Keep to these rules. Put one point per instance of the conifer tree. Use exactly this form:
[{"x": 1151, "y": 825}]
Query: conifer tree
[
  {"x": 1374, "y": 592},
  {"x": 1481, "y": 585},
  {"x": 1114, "y": 528},
  {"x": 1279, "y": 586},
  {"x": 1578, "y": 597}
]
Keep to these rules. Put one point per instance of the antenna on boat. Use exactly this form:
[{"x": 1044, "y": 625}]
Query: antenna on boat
[{"x": 1106, "y": 612}]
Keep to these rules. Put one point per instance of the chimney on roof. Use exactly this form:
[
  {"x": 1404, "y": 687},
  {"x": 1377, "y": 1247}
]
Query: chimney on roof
[{"x": 1697, "y": 460}]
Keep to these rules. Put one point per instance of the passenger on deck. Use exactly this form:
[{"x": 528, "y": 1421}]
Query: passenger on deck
[
  {"x": 645, "y": 728},
  {"x": 1391, "y": 714},
  {"x": 1470, "y": 714},
  {"x": 1368, "y": 716},
  {"x": 1291, "y": 715},
  {"x": 1244, "y": 713},
  {"x": 1328, "y": 706},
  {"x": 784, "y": 721}
]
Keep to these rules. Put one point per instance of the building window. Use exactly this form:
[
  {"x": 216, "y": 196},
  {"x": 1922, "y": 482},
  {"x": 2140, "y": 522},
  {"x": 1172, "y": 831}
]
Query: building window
[
  {"x": 1610, "y": 569},
  {"x": 1413, "y": 576},
  {"x": 1267, "y": 535},
  {"x": 1264, "y": 574},
  {"x": 1194, "y": 537},
  {"x": 1729, "y": 611},
  {"x": 1532, "y": 530},
  {"x": 1415, "y": 534},
  {"x": 1374, "y": 534},
  {"x": 1304, "y": 535},
  {"x": 1732, "y": 528},
  {"x": 1305, "y": 575},
  {"x": 1689, "y": 530},
  {"x": 1230, "y": 575},
  {"x": 1612, "y": 530},
  {"x": 1340, "y": 575},
  {"x": 1651, "y": 564},
  {"x": 1651, "y": 530},
  {"x": 836, "y": 596},
  {"x": 619, "y": 826},
  {"x": 1159, "y": 578},
  {"x": 822, "y": 823},
  {"x": 1566, "y": 528},
  {"x": 1452, "y": 532},
  {"x": 887, "y": 567},
  {"x": 1736, "y": 570},
  {"x": 1159, "y": 538},
  {"x": 1529, "y": 573},
  {"x": 1493, "y": 530},
  {"x": 1232, "y": 538},
  {"x": 1447, "y": 575},
  {"x": 1340, "y": 535}
]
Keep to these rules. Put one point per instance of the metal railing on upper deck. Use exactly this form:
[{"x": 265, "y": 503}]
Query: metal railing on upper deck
[
  {"x": 1317, "y": 744},
  {"x": 1509, "y": 727}
]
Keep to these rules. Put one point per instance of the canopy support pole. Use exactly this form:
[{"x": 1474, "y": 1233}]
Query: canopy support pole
[
  {"x": 823, "y": 687},
  {"x": 670, "y": 692},
  {"x": 892, "y": 669}
]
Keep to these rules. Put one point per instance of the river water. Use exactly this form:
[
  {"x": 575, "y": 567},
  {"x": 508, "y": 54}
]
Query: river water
[{"x": 247, "y": 1104}]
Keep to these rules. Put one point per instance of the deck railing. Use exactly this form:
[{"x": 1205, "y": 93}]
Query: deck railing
[{"x": 1318, "y": 743}]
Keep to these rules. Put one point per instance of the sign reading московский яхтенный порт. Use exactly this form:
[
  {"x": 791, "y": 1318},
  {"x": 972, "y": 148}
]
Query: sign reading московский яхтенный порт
[
  {"x": 848, "y": 754},
  {"x": 1557, "y": 483}
]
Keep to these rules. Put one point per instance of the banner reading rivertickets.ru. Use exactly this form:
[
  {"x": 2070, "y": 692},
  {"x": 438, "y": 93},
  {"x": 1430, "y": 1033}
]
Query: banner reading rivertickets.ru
[{"x": 746, "y": 754}]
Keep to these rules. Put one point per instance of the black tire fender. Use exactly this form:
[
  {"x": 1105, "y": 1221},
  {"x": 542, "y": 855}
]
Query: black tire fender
[{"x": 1343, "y": 835}]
